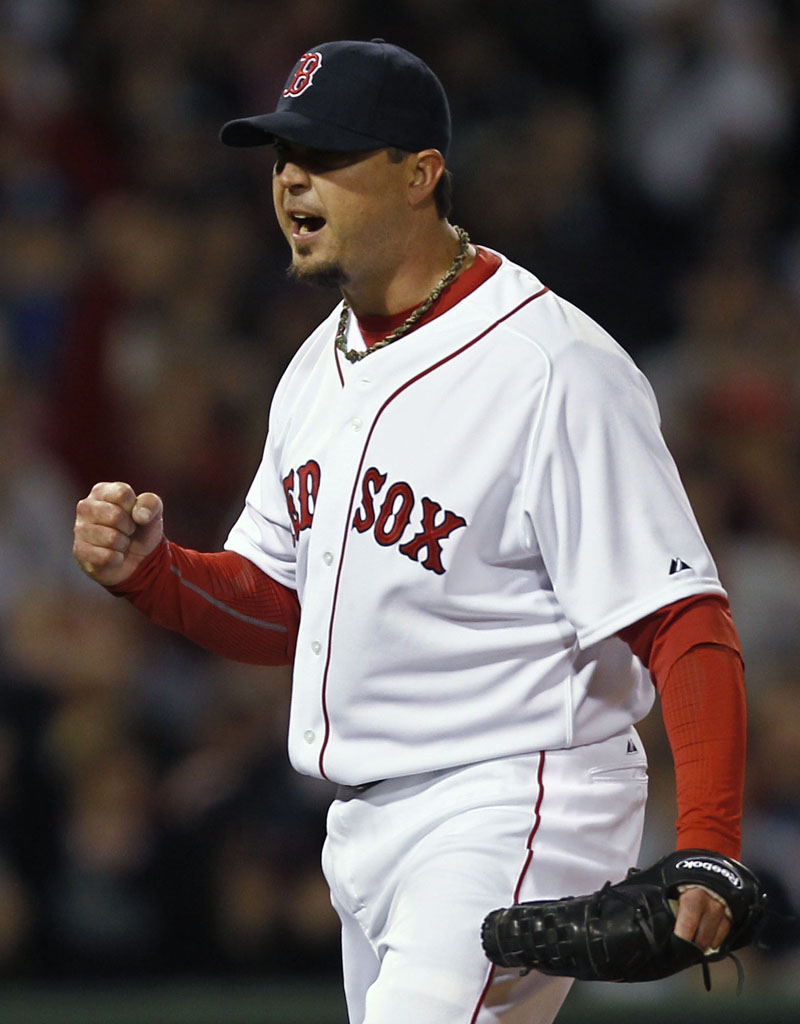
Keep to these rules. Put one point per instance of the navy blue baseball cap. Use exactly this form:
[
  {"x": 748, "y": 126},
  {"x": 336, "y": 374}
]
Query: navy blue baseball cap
[{"x": 347, "y": 96}]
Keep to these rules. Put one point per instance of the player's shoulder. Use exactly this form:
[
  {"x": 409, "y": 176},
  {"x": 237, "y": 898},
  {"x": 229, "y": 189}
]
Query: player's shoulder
[{"x": 565, "y": 336}]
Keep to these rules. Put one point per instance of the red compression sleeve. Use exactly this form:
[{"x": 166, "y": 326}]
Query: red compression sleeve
[
  {"x": 221, "y": 601},
  {"x": 692, "y": 650},
  {"x": 703, "y": 706}
]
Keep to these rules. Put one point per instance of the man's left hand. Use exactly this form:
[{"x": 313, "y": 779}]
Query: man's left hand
[{"x": 701, "y": 919}]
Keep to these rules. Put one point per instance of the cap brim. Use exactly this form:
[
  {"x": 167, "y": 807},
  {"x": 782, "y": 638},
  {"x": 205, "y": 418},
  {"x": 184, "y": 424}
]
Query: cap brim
[{"x": 265, "y": 128}]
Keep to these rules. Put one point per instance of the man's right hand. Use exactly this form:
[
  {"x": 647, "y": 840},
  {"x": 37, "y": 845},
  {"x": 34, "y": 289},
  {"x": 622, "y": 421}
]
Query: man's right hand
[{"x": 115, "y": 530}]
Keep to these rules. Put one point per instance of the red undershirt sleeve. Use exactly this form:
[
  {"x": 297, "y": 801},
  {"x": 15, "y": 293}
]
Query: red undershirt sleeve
[
  {"x": 219, "y": 600},
  {"x": 692, "y": 651}
]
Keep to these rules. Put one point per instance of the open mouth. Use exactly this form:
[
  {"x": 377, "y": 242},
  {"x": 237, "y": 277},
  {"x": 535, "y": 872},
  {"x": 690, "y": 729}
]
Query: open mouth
[{"x": 305, "y": 225}]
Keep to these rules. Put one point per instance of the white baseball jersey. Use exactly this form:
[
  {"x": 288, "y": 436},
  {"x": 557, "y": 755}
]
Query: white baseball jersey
[{"x": 468, "y": 517}]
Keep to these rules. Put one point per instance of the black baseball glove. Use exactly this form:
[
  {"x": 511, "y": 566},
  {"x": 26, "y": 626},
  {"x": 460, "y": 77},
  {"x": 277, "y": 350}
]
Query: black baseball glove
[{"x": 624, "y": 932}]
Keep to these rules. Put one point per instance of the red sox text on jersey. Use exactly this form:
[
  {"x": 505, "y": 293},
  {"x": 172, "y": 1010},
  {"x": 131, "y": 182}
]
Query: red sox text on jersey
[{"x": 386, "y": 511}]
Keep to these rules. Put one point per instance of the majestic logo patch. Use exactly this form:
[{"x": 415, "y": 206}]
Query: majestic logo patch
[
  {"x": 712, "y": 866},
  {"x": 309, "y": 65},
  {"x": 678, "y": 565}
]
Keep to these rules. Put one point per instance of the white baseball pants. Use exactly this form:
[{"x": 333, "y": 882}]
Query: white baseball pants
[{"x": 414, "y": 865}]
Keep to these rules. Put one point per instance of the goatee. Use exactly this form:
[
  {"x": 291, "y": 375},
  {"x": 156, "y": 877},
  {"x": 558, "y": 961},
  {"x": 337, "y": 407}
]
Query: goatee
[{"x": 328, "y": 275}]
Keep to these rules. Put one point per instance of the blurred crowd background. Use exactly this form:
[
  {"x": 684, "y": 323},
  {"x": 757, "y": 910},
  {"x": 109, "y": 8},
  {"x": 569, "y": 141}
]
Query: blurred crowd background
[{"x": 640, "y": 156}]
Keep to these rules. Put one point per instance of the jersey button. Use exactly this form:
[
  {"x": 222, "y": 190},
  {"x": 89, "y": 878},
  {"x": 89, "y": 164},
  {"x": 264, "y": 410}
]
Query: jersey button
[
  {"x": 309, "y": 736},
  {"x": 327, "y": 558},
  {"x": 316, "y": 647},
  {"x": 357, "y": 423}
]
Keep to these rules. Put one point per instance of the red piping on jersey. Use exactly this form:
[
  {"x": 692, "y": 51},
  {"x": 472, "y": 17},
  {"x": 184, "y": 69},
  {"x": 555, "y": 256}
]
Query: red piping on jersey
[
  {"x": 348, "y": 521},
  {"x": 537, "y": 819}
]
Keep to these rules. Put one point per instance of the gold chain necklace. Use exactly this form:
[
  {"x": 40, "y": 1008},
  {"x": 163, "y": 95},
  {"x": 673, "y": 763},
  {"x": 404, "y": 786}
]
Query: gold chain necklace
[{"x": 354, "y": 355}]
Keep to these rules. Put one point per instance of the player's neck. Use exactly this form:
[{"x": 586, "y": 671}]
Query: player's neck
[{"x": 420, "y": 265}]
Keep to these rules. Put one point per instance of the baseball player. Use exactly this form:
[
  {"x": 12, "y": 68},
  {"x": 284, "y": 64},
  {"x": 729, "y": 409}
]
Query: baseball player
[{"x": 468, "y": 536}]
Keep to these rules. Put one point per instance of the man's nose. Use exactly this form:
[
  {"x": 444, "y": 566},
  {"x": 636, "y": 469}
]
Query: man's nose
[{"x": 292, "y": 176}]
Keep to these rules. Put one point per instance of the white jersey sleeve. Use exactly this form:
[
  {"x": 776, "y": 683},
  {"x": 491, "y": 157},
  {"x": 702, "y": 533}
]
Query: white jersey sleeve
[{"x": 604, "y": 501}]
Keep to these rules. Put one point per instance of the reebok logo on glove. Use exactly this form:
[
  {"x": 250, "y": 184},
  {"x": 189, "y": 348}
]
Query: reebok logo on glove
[{"x": 708, "y": 865}]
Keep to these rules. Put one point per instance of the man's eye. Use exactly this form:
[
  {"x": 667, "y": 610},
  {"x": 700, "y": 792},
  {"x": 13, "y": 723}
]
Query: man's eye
[
  {"x": 315, "y": 161},
  {"x": 319, "y": 163},
  {"x": 332, "y": 161}
]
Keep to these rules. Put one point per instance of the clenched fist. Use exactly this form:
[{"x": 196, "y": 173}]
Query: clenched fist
[{"x": 115, "y": 529}]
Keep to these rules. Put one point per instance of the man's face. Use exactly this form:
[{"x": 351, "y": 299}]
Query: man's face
[{"x": 339, "y": 212}]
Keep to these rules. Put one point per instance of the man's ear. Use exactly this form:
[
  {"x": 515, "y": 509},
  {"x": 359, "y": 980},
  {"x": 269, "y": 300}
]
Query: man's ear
[{"x": 427, "y": 167}]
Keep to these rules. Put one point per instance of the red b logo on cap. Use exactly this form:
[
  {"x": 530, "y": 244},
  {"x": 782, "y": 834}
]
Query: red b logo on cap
[{"x": 309, "y": 64}]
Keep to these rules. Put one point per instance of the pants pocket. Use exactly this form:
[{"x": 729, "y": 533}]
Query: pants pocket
[{"x": 619, "y": 773}]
